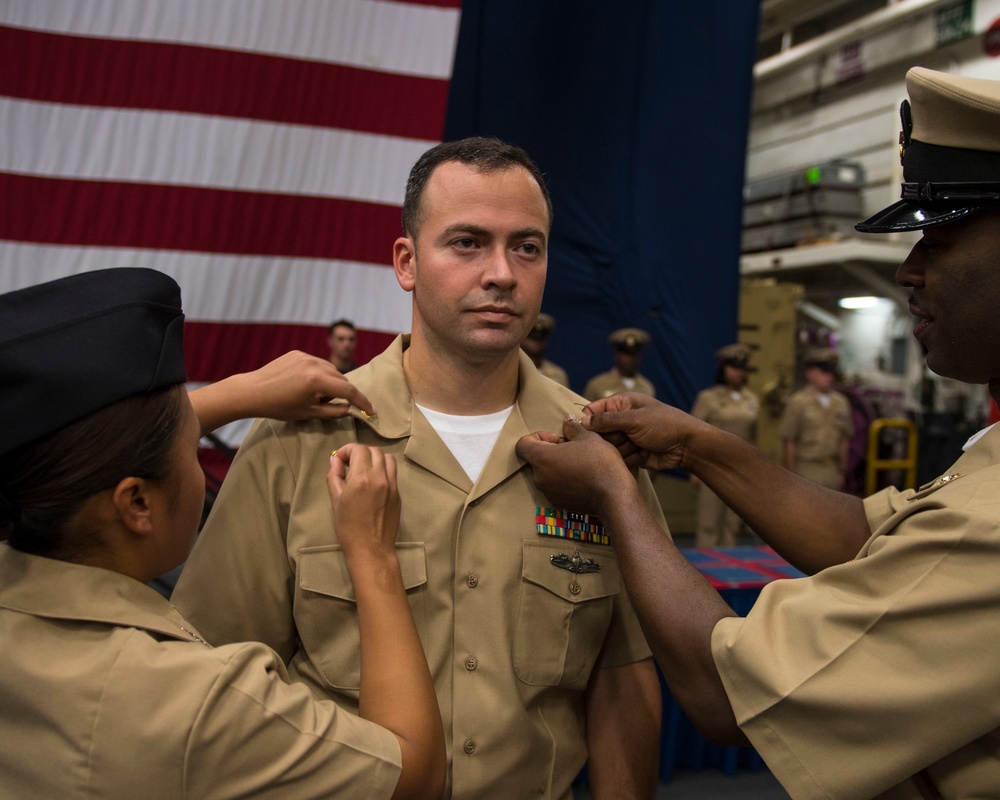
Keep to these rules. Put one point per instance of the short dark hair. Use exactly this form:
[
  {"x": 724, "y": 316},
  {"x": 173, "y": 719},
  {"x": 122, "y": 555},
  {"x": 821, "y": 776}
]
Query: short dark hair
[
  {"x": 44, "y": 483},
  {"x": 340, "y": 323},
  {"x": 482, "y": 153}
]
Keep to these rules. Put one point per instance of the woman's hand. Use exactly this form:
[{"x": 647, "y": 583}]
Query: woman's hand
[
  {"x": 293, "y": 386},
  {"x": 362, "y": 485},
  {"x": 300, "y": 386}
]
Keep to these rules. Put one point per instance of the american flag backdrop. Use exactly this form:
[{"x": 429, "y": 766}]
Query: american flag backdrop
[{"x": 255, "y": 150}]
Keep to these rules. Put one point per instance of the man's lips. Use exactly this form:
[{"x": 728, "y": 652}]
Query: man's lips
[
  {"x": 498, "y": 312},
  {"x": 924, "y": 319}
]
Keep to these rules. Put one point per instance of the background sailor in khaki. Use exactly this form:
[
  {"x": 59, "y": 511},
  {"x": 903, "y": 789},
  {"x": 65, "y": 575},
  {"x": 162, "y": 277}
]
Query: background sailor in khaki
[
  {"x": 538, "y": 669},
  {"x": 728, "y": 405},
  {"x": 816, "y": 426},
  {"x": 624, "y": 376},
  {"x": 535, "y": 344}
]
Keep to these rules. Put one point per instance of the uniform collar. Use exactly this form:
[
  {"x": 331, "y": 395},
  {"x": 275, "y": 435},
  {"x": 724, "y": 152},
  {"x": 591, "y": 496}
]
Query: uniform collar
[
  {"x": 984, "y": 452},
  {"x": 47, "y": 587},
  {"x": 541, "y": 404},
  {"x": 977, "y": 436},
  {"x": 538, "y": 405}
]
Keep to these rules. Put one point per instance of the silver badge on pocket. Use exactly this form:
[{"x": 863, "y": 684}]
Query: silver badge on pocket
[{"x": 575, "y": 563}]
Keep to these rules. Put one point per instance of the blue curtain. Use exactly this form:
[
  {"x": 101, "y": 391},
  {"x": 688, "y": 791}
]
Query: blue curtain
[{"x": 637, "y": 113}]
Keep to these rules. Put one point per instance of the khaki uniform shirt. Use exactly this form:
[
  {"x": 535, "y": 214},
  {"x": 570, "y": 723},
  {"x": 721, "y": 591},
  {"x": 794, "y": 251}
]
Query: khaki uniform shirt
[
  {"x": 818, "y": 431},
  {"x": 878, "y": 677},
  {"x": 511, "y": 639},
  {"x": 611, "y": 382},
  {"x": 107, "y": 692},
  {"x": 735, "y": 414},
  {"x": 555, "y": 372}
]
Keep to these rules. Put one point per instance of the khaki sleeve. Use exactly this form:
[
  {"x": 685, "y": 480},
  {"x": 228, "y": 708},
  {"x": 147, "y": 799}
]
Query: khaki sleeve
[
  {"x": 225, "y": 723},
  {"x": 237, "y": 583},
  {"x": 857, "y": 653},
  {"x": 258, "y": 736}
]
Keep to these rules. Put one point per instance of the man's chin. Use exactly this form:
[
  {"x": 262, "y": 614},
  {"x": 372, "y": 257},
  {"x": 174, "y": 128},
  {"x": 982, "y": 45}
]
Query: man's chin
[
  {"x": 493, "y": 340},
  {"x": 952, "y": 369}
]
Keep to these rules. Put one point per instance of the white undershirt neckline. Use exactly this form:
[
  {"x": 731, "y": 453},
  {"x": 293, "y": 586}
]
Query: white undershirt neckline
[
  {"x": 978, "y": 435},
  {"x": 470, "y": 439}
]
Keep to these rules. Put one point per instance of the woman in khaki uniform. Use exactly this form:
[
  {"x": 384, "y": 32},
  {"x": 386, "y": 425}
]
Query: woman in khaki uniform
[
  {"x": 728, "y": 405},
  {"x": 108, "y": 691}
]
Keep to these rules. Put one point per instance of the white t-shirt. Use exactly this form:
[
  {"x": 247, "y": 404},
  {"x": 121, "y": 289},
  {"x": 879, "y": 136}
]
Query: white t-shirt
[
  {"x": 977, "y": 436},
  {"x": 470, "y": 439}
]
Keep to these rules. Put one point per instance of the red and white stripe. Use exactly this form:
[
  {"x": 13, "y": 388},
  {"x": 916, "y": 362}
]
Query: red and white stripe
[{"x": 255, "y": 150}]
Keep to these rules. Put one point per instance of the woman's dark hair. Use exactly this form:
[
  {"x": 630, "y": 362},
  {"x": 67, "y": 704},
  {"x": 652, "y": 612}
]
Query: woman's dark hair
[
  {"x": 44, "y": 483},
  {"x": 720, "y": 373}
]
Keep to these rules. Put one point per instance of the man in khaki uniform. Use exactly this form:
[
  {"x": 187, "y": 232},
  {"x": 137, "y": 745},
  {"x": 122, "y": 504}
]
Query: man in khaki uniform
[
  {"x": 624, "y": 376},
  {"x": 816, "y": 426},
  {"x": 730, "y": 406},
  {"x": 342, "y": 338},
  {"x": 537, "y": 657},
  {"x": 535, "y": 344},
  {"x": 875, "y": 677}
]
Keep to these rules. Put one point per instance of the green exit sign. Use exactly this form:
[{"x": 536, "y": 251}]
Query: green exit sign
[{"x": 953, "y": 22}]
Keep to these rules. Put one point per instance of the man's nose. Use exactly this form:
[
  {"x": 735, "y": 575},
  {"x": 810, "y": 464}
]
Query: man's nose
[
  {"x": 910, "y": 273},
  {"x": 498, "y": 271}
]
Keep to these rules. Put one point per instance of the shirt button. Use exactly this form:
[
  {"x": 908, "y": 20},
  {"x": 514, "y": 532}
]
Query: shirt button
[
  {"x": 469, "y": 747},
  {"x": 471, "y": 663},
  {"x": 473, "y": 581},
  {"x": 574, "y": 588}
]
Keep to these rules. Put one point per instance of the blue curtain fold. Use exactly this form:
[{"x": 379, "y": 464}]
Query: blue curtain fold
[{"x": 637, "y": 113}]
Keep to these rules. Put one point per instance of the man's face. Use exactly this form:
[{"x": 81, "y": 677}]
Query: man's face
[
  {"x": 627, "y": 362},
  {"x": 954, "y": 274},
  {"x": 477, "y": 266},
  {"x": 342, "y": 344},
  {"x": 819, "y": 378}
]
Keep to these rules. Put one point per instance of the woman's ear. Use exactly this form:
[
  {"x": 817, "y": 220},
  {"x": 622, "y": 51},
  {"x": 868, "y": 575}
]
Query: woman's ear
[{"x": 133, "y": 505}]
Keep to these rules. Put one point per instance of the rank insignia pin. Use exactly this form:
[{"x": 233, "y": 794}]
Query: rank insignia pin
[{"x": 575, "y": 563}]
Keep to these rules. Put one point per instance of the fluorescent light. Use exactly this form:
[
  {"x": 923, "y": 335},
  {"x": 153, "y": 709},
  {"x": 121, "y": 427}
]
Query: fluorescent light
[{"x": 859, "y": 302}]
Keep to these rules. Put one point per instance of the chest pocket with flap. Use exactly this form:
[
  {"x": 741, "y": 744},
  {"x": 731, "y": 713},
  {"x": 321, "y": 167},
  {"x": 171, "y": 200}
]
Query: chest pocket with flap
[
  {"x": 326, "y": 612},
  {"x": 562, "y": 616}
]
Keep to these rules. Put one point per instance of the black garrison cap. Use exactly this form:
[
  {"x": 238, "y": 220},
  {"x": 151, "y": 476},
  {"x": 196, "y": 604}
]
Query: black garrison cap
[{"x": 73, "y": 346}]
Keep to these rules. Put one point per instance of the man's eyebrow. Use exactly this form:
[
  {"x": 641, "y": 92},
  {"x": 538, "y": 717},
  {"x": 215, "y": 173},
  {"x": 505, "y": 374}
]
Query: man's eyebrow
[
  {"x": 479, "y": 230},
  {"x": 529, "y": 233},
  {"x": 466, "y": 227}
]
